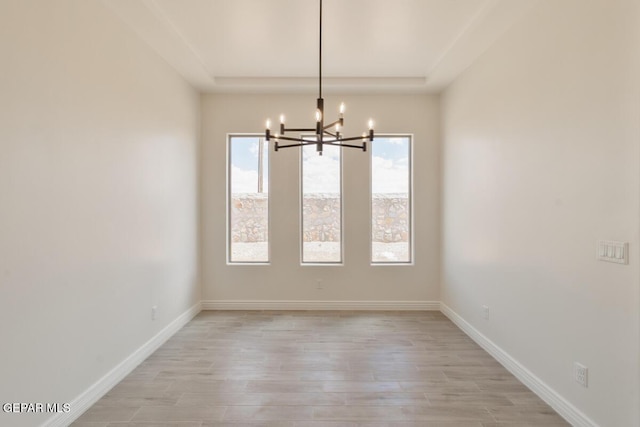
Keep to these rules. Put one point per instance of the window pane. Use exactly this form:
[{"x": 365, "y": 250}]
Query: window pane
[
  {"x": 321, "y": 205},
  {"x": 249, "y": 199},
  {"x": 390, "y": 199}
]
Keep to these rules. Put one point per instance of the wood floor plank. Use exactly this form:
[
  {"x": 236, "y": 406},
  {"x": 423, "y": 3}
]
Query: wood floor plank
[
  {"x": 360, "y": 413},
  {"x": 320, "y": 369},
  {"x": 179, "y": 413},
  {"x": 268, "y": 413},
  {"x": 157, "y": 424},
  {"x": 99, "y": 413}
]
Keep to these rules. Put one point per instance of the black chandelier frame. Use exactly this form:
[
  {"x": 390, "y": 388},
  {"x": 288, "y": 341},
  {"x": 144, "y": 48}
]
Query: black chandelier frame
[{"x": 323, "y": 133}]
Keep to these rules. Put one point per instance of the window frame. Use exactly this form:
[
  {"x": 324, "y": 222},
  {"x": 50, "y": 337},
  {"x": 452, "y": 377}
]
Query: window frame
[
  {"x": 301, "y": 210},
  {"x": 230, "y": 137},
  {"x": 411, "y": 261}
]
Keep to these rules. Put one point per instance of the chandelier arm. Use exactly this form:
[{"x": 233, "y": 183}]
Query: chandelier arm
[
  {"x": 301, "y": 129},
  {"x": 307, "y": 142},
  {"x": 339, "y": 144},
  {"x": 302, "y": 144},
  {"x": 355, "y": 138},
  {"x": 288, "y": 138},
  {"x": 330, "y": 125}
]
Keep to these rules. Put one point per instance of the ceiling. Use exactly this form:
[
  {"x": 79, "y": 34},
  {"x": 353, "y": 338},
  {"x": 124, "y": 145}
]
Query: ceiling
[{"x": 272, "y": 45}]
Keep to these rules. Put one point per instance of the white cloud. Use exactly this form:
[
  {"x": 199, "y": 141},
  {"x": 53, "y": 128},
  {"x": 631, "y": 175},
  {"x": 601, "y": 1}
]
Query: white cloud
[
  {"x": 321, "y": 173},
  {"x": 245, "y": 181},
  {"x": 396, "y": 141},
  {"x": 390, "y": 176}
]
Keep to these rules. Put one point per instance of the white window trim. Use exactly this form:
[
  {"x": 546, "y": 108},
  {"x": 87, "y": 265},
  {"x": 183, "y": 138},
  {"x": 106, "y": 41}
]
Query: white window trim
[
  {"x": 411, "y": 261},
  {"x": 228, "y": 242}
]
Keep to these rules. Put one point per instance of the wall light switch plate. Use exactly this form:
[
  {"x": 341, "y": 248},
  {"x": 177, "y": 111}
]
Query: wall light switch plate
[{"x": 611, "y": 251}]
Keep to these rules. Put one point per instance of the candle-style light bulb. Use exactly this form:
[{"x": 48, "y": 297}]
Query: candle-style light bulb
[
  {"x": 338, "y": 127},
  {"x": 370, "y": 132},
  {"x": 282, "y": 118},
  {"x": 267, "y": 132},
  {"x": 342, "y": 108}
]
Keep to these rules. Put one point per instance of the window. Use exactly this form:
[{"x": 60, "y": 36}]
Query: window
[
  {"x": 321, "y": 205},
  {"x": 248, "y": 204},
  {"x": 391, "y": 238}
]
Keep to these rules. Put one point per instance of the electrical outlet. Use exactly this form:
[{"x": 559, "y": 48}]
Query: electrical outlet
[
  {"x": 154, "y": 311},
  {"x": 485, "y": 312},
  {"x": 611, "y": 251},
  {"x": 581, "y": 374},
  {"x": 319, "y": 285}
]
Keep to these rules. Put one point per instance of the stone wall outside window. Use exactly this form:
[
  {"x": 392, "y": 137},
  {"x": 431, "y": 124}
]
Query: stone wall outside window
[{"x": 390, "y": 215}]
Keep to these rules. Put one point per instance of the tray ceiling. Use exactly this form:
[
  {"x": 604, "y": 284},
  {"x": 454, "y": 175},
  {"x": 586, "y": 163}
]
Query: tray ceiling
[{"x": 272, "y": 45}]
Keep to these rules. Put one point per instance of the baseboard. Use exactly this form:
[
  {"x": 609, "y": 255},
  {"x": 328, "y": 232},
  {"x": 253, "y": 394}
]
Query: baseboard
[
  {"x": 321, "y": 305},
  {"x": 566, "y": 410},
  {"x": 90, "y": 396}
]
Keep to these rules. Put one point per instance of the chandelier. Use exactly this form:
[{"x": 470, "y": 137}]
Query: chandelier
[{"x": 328, "y": 134}]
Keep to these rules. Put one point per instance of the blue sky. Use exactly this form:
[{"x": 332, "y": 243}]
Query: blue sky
[
  {"x": 244, "y": 165},
  {"x": 390, "y": 165},
  {"x": 395, "y": 149}
]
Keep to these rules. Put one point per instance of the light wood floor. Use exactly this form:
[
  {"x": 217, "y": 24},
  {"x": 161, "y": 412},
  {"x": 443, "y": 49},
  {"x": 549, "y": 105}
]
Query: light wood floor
[{"x": 311, "y": 369}]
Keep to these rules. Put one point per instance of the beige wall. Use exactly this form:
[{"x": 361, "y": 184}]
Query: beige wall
[
  {"x": 98, "y": 198},
  {"x": 541, "y": 159},
  {"x": 285, "y": 279}
]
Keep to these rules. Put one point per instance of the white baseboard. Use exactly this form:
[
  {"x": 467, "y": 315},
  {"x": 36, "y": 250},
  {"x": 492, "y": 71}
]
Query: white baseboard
[
  {"x": 90, "y": 396},
  {"x": 569, "y": 412},
  {"x": 321, "y": 305}
]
